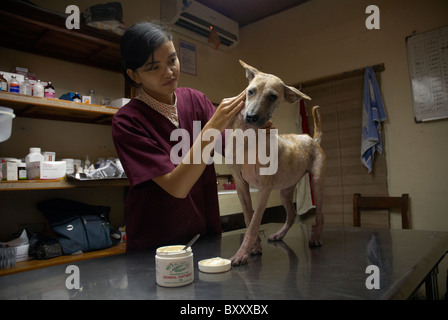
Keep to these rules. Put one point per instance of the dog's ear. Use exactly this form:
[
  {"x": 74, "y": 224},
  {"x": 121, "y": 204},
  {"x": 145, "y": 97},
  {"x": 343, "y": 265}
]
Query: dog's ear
[
  {"x": 251, "y": 72},
  {"x": 293, "y": 94}
]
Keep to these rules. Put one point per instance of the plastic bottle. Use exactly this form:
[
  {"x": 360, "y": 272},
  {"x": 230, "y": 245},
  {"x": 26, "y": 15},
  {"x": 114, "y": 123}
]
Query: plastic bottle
[
  {"x": 76, "y": 97},
  {"x": 14, "y": 85},
  {"x": 38, "y": 89},
  {"x": 31, "y": 171},
  {"x": 49, "y": 91},
  {"x": 25, "y": 87},
  {"x": 4, "y": 83},
  {"x": 92, "y": 97},
  {"x": 87, "y": 163},
  {"x": 21, "y": 168}
]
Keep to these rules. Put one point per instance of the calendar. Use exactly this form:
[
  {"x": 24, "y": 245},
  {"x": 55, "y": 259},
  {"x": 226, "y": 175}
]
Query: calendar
[{"x": 428, "y": 69}]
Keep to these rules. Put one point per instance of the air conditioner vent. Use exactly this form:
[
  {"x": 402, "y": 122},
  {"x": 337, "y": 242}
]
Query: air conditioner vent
[{"x": 193, "y": 19}]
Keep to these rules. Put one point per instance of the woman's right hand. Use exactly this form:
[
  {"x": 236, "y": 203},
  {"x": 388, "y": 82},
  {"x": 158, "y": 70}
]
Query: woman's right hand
[{"x": 226, "y": 112}]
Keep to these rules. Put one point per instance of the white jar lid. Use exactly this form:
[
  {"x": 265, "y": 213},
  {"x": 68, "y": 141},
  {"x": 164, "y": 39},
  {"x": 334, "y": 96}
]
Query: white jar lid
[{"x": 214, "y": 265}]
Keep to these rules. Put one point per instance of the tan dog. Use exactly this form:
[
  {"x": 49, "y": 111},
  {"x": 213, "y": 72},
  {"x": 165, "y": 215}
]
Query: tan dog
[{"x": 297, "y": 155}]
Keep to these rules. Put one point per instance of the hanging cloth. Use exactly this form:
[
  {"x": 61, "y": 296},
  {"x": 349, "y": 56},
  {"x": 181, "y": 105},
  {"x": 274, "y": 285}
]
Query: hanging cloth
[
  {"x": 372, "y": 115},
  {"x": 304, "y": 194}
]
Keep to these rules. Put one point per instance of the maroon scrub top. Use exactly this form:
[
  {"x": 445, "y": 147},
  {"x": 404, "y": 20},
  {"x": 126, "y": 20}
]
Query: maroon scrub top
[{"x": 142, "y": 140}]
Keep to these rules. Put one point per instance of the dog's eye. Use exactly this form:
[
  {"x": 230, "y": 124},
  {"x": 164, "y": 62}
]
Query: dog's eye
[
  {"x": 272, "y": 97},
  {"x": 250, "y": 92}
]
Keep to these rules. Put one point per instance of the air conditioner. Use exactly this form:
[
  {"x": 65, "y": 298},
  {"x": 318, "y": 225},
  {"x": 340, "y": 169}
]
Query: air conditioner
[{"x": 193, "y": 19}]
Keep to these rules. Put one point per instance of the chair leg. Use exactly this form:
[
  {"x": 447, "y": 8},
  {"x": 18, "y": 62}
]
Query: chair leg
[{"x": 356, "y": 211}]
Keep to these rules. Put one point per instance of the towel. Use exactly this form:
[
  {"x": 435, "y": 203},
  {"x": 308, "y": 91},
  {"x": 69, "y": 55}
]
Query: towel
[
  {"x": 304, "y": 195},
  {"x": 372, "y": 115}
]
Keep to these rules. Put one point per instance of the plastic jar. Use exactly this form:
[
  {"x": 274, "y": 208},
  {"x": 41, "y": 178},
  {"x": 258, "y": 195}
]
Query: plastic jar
[
  {"x": 6, "y": 116},
  {"x": 174, "y": 266},
  {"x": 33, "y": 171}
]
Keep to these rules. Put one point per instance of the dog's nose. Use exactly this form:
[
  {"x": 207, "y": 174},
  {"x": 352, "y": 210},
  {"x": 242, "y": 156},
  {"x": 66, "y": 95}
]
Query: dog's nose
[{"x": 251, "y": 118}]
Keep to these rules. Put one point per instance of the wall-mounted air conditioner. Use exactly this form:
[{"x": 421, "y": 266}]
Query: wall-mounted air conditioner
[{"x": 193, "y": 19}]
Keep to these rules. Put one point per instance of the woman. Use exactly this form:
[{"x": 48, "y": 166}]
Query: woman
[{"x": 166, "y": 203}]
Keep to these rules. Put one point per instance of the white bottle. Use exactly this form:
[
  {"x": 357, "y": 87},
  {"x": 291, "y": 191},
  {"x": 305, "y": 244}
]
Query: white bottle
[
  {"x": 38, "y": 89},
  {"x": 32, "y": 167}
]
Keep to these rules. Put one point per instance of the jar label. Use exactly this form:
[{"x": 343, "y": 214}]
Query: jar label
[{"x": 171, "y": 273}]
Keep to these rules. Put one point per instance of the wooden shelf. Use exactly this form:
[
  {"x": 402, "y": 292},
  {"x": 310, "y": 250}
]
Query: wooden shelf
[
  {"x": 55, "y": 109},
  {"x": 36, "y": 264},
  {"x": 27, "y": 27},
  {"x": 60, "y": 184}
]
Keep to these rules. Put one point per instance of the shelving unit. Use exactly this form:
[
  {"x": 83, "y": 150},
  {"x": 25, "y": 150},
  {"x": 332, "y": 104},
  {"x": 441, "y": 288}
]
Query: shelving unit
[
  {"x": 33, "y": 29},
  {"x": 59, "y": 184},
  {"x": 36, "y": 264},
  {"x": 55, "y": 109},
  {"x": 29, "y": 28}
]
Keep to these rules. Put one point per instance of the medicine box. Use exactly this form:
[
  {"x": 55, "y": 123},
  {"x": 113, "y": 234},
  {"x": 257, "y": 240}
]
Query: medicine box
[
  {"x": 9, "y": 171},
  {"x": 118, "y": 103},
  {"x": 53, "y": 170}
]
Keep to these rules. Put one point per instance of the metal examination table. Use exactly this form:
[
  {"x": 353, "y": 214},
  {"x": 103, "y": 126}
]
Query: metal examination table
[{"x": 286, "y": 270}]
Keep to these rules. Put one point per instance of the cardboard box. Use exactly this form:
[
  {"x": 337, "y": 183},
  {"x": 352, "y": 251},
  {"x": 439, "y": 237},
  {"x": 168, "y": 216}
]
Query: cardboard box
[
  {"x": 118, "y": 103},
  {"x": 9, "y": 171},
  {"x": 49, "y": 155},
  {"x": 86, "y": 99},
  {"x": 53, "y": 170}
]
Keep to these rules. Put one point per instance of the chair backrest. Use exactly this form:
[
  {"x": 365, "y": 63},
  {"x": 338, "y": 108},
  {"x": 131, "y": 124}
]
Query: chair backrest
[{"x": 377, "y": 203}]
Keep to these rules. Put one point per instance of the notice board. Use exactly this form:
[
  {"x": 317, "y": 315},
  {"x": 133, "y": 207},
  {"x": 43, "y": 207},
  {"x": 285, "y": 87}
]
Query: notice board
[{"x": 428, "y": 69}]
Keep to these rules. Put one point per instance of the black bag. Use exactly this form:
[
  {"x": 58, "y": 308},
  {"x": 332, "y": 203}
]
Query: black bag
[
  {"x": 43, "y": 246},
  {"x": 83, "y": 233},
  {"x": 80, "y": 227},
  {"x": 103, "y": 12}
]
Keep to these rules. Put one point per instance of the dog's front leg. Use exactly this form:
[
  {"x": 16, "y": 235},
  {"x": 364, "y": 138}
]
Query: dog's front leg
[
  {"x": 243, "y": 192},
  {"x": 251, "y": 237}
]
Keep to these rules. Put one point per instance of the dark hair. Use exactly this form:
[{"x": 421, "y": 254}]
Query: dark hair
[{"x": 139, "y": 42}]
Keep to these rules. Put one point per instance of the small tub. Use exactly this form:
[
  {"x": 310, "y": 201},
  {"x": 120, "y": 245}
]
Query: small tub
[
  {"x": 6, "y": 116},
  {"x": 214, "y": 265}
]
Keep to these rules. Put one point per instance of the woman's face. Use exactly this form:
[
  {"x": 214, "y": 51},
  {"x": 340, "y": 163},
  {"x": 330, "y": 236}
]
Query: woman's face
[{"x": 159, "y": 75}]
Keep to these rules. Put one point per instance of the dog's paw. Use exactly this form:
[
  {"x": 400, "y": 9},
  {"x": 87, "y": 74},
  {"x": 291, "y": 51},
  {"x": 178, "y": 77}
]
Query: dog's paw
[
  {"x": 239, "y": 258},
  {"x": 276, "y": 237},
  {"x": 257, "y": 249},
  {"x": 312, "y": 244}
]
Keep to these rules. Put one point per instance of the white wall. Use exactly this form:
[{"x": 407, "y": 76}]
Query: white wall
[{"x": 324, "y": 37}]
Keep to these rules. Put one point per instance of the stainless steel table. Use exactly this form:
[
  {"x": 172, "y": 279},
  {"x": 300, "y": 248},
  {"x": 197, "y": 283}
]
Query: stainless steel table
[{"x": 286, "y": 270}]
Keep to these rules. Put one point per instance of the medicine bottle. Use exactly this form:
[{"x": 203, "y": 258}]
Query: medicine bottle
[
  {"x": 38, "y": 89},
  {"x": 26, "y": 87},
  {"x": 33, "y": 168},
  {"x": 21, "y": 168},
  {"x": 14, "y": 85},
  {"x": 76, "y": 97},
  {"x": 4, "y": 83},
  {"x": 49, "y": 91},
  {"x": 92, "y": 97}
]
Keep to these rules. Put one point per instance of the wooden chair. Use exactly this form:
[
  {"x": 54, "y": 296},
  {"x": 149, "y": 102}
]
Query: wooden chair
[{"x": 379, "y": 203}]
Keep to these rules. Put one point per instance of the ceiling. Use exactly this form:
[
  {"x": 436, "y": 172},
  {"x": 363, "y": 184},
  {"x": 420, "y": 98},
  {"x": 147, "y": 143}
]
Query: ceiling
[{"x": 248, "y": 11}]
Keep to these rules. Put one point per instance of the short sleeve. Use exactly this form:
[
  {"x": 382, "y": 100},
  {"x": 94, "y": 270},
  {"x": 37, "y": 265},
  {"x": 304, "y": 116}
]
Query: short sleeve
[{"x": 142, "y": 156}]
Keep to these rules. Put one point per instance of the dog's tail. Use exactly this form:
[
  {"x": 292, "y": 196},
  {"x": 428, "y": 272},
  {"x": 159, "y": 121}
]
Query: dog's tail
[{"x": 317, "y": 125}]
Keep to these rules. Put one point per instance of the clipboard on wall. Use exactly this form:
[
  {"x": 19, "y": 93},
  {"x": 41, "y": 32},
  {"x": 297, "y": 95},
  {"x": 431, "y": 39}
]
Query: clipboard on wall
[{"x": 428, "y": 69}]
